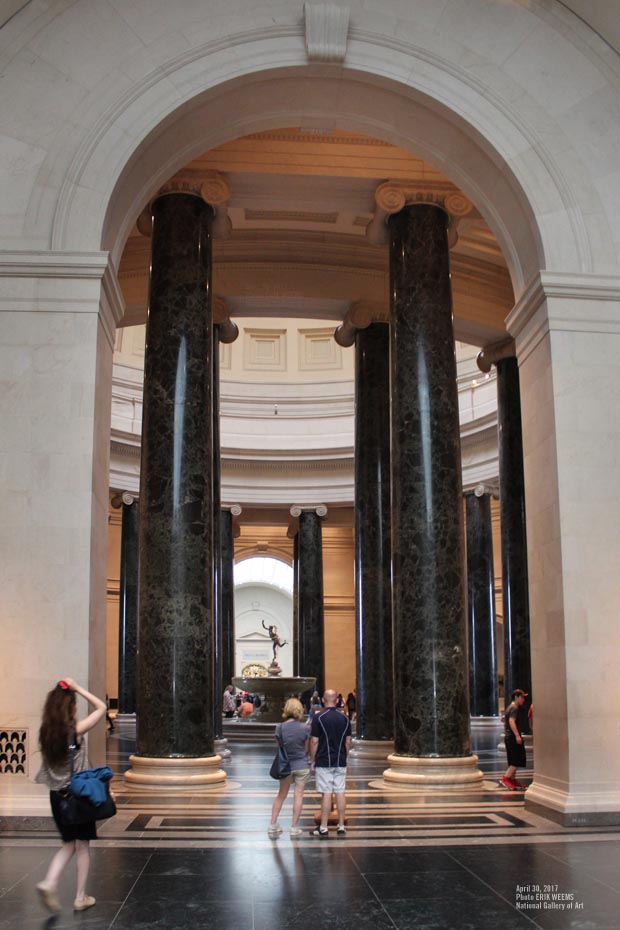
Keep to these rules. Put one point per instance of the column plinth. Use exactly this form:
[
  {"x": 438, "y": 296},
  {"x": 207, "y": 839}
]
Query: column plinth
[
  {"x": 362, "y": 749},
  {"x": 174, "y": 774},
  {"x": 446, "y": 774}
]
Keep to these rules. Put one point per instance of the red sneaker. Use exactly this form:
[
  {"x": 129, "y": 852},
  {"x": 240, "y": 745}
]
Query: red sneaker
[
  {"x": 507, "y": 783},
  {"x": 519, "y": 786}
]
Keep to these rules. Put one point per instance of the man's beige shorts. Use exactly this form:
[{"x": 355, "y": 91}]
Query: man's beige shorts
[{"x": 330, "y": 781}]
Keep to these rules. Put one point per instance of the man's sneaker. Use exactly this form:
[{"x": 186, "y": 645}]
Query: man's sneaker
[
  {"x": 323, "y": 832},
  {"x": 296, "y": 831},
  {"x": 507, "y": 783},
  {"x": 274, "y": 830},
  {"x": 341, "y": 831},
  {"x": 519, "y": 786}
]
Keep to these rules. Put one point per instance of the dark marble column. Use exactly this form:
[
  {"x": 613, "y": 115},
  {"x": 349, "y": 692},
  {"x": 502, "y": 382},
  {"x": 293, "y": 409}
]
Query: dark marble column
[
  {"x": 217, "y": 550},
  {"x": 483, "y": 693},
  {"x": 373, "y": 583},
  {"x": 515, "y": 596},
  {"x": 128, "y": 606},
  {"x": 176, "y": 619},
  {"x": 296, "y": 604},
  {"x": 310, "y": 605},
  {"x": 228, "y": 596},
  {"x": 429, "y": 613}
]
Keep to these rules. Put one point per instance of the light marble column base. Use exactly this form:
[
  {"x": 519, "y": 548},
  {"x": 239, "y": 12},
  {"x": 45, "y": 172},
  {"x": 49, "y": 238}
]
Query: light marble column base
[
  {"x": 573, "y": 810},
  {"x": 371, "y": 749},
  {"x": 451, "y": 773},
  {"x": 220, "y": 746},
  {"x": 485, "y": 723},
  {"x": 175, "y": 774}
]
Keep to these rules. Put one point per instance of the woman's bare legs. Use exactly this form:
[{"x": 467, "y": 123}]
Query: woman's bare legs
[
  {"x": 279, "y": 799},
  {"x": 82, "y": 856},
  {"x": 298, "y": 800},
  {"x": 58, "y": 864}
]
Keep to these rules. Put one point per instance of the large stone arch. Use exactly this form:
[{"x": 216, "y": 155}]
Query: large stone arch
[{"x": 515, "y": 105}]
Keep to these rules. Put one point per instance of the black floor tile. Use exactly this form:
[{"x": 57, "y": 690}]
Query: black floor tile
[
  {"x": 453, "y": 913},
  {"x": 319, "y": 915},
  {"x": 181, "y": 915},
  {"x": 432, "y": 884}
]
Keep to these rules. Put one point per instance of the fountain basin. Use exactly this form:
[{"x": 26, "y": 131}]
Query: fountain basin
[{"x": 275, "y": 690}]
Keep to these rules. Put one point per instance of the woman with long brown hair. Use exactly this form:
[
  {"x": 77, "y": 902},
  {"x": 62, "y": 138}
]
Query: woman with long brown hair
[{"x": 59, "y": 729}]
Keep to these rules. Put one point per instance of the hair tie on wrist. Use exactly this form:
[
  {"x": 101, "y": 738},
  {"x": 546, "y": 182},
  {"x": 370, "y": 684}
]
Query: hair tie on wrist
[{"x": 63, "y": 684}]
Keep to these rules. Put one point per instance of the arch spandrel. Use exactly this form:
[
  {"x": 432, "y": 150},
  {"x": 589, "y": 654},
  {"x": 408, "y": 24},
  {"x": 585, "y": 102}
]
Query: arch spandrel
[{"x": 464, "y": 109}]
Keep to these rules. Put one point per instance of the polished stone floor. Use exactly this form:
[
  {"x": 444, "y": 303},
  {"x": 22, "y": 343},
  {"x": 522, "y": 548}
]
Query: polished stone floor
[{"x": 409, "y": 861}]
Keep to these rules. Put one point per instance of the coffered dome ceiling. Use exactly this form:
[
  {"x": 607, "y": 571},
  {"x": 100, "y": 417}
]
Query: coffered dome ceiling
[{"x": 298, "y": 243}]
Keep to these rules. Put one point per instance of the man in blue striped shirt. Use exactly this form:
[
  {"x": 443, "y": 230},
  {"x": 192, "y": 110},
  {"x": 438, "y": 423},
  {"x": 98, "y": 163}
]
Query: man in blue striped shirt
[{"x": 330, "y": 740}]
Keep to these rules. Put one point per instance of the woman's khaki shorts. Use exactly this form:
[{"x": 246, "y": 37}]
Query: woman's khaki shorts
[{"x": 300, "y": 776}]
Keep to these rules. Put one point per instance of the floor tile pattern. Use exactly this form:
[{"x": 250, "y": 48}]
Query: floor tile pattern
[{"x": 410, "y": 860}]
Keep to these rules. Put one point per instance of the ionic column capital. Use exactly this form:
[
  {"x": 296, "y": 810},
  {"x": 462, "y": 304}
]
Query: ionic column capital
[
  {"x": 494, "y": 353},
  {"x": 360, "y": 315},
  {"x": 319, "y": 509},
  {"x": 212, "y": 186},
  {"x": 482, "y": 488},
  {"x": 228, "y": 331},
  {"x": 123, "y": 497},
  {"x": 392, "y": 196}
]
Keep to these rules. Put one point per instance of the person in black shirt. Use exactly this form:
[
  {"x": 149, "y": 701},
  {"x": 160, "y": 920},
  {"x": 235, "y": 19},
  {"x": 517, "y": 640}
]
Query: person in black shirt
[{"x": 330, "y": 740}]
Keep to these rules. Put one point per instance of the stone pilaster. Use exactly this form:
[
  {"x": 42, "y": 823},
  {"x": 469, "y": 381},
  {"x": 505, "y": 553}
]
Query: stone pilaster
[{"x": 228, "y": 514}]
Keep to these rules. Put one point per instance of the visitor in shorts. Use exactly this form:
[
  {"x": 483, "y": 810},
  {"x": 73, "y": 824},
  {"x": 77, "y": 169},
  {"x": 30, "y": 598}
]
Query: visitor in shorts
[
  {"x": 515, "y": 749},
  {"x": 330, "y": 740}
]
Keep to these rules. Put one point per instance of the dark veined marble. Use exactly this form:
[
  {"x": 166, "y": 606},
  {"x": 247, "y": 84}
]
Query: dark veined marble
[
  {"x": 175, "y": 664},
  {"x": 228, "y": 597},
  {"x": 373, "y": 583},
  {"x": 217, "y": 545},
  {"x": 310, "y": 600},
  {"x": 431, "y": 687},
  {"x": 128, "y": 609},
  {"x": 296, "y": 604},
  {"x": 483, "y": 691},
  {"x": 515, "y": 593}
]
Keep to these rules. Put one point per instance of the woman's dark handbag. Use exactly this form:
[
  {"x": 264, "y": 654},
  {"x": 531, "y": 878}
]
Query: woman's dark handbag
[
  {"x": 88, "y": 796},
  {"x": 280, "y": 767}
]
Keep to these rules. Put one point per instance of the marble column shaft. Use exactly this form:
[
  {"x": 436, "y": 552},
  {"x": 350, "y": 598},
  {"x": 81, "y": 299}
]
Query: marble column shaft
[
  {"x": 429, "y": 615},
  {"x": 217, "y": 545},
  {"x": 483, "y": 687},
  {"x": 228, "y": 597},
  {"x": 128, "y": 608},
  {"x": 373, "y": 583},
  {"x": 515, "y": 595},
  {"x": 296, "y": 604},
  {"x": 311, "y": 613},
  {"x": 176, "y": 673}
]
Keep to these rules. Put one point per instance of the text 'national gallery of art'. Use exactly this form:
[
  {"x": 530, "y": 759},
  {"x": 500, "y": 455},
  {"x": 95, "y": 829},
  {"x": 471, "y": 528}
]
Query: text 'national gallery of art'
[{"x": 310, "y": 319}]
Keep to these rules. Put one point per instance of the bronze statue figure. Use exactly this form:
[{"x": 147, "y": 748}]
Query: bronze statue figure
[{"x": 275, "y": 639}]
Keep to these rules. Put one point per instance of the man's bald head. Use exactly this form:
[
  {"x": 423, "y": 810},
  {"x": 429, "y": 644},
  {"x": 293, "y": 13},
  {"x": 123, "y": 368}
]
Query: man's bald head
[{"x": 330, "y": 698}]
